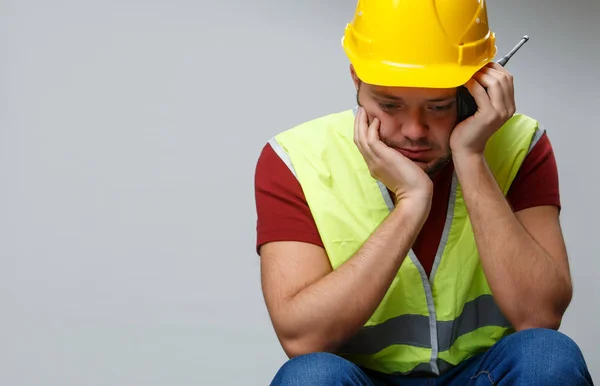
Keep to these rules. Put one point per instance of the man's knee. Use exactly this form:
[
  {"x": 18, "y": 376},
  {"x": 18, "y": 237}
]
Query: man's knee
[
  {"x": 544, "y": 343},
  {"x": 547, "y": 354},
  {"x": 319, "y": 369}
]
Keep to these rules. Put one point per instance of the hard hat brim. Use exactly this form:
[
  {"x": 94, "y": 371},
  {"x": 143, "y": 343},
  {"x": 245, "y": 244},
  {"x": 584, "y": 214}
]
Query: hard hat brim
[{"x": 390, "y": 74}]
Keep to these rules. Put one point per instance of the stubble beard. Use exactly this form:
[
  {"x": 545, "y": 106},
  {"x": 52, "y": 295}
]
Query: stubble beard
[
  {"x": 437, "y": 166},
  {"x": 430, "y": 169}
]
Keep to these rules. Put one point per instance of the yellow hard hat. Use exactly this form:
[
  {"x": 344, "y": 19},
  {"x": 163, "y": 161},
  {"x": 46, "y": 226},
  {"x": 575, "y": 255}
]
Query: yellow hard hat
[{"x": 419, "y": 43}]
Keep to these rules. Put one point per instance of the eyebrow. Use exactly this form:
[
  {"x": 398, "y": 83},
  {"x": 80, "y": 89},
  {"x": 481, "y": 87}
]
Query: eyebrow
[
  {"x": 397, "y": 98},
  {"x": 385, "y": 96},
  {"x": 442, "y": 99}
]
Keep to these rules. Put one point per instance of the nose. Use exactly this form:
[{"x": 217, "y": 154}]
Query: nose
[{"x": 414, "y": 127}]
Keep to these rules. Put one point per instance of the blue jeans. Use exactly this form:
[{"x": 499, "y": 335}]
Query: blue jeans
[{"x": 529, "y": 357}]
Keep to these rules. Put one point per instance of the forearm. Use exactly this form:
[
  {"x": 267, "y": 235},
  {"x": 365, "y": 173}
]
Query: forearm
[
  {"x": 525, "y": 281},
  {"x": 327, "y": 313}
]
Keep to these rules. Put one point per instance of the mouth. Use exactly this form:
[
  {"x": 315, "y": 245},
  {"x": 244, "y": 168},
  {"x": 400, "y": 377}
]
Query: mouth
[{"x": 414, "y": 154}]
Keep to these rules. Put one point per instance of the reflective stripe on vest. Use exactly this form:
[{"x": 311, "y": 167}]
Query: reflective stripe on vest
[
  {"x": 432, "y": 341},
  {"x": 414, "y": 329}
]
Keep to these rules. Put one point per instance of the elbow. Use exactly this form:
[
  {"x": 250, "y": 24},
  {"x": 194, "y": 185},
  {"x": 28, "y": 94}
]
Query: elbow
[
  {"x": 550, "y": 324},
  {"x": 551, "y": 317},
  {"x": 303, "y": 345},
  {"x": 551, "y": 321},
  {"x": 296, "y": 347}
]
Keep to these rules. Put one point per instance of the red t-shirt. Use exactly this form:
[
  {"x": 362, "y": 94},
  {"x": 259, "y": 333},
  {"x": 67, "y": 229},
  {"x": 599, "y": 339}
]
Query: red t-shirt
[{"x": 284, "y": 215}]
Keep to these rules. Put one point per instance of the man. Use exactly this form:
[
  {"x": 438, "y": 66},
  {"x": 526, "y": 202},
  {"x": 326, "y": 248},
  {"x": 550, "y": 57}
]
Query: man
[{"x": 401, "y": 242}]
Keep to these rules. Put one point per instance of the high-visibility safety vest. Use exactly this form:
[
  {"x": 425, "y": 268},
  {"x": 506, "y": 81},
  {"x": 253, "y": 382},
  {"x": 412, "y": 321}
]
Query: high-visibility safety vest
[{"x": 424, "y": 324}]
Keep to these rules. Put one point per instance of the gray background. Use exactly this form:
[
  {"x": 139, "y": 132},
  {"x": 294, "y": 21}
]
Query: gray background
[{"x": 130, "y": 132}]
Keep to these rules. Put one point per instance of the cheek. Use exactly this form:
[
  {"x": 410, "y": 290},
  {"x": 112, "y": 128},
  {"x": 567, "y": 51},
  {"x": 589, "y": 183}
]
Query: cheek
[
  {"x": 388, "y": 125},
  {"x": 372, "y": 113},
  {"x": 441, "y": 135}
]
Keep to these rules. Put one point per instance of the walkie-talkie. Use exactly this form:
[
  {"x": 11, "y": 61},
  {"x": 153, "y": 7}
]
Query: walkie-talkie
[{"x": 465, "y": 102}]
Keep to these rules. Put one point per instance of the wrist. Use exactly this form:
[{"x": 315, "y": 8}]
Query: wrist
[
  {"x": 416, "y": 207},
  {"x": 467, "y": 157},
  {"x": 469, "y": 167}
]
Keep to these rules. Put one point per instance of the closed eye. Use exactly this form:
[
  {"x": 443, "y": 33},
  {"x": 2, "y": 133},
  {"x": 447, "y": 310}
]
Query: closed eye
[
  {"x": 388, "y": 106},
  {"x": 442, "y": 107}
]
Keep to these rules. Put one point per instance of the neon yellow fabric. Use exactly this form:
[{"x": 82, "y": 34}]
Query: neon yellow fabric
[{"x": 348, "y": 205}]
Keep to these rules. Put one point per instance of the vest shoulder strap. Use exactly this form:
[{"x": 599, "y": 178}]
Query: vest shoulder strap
[{"x": 505, "y": 152}]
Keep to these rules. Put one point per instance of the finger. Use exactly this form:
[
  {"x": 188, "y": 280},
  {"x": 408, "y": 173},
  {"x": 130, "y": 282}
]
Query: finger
[
  {"x": 359, "y": 121},
  {"x": 379, "y": 149},
  {"x": 373, "y": 140},
  {"x": 495, "y": 66},
  {"x": 356, "y": 122},
  {"x": 362, "y": 130},
  {"x": 501, "y": 72},
  {"x": 506, "y": 80},
  {"x": 482, "y": 99},
  {"x": 495, "y": 90}
]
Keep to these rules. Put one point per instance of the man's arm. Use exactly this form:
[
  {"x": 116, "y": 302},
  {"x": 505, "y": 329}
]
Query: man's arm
[
  {"x": 523, "y": 255},
  {"x": 314, "y": 308}
]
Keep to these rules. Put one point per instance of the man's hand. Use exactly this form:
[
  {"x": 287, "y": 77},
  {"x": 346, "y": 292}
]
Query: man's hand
[
  {"x": 399, "y": 174},
  {"x": 495, "y": 107}
]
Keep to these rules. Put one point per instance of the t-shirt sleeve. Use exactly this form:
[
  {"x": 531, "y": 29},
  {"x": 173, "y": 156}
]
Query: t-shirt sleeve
[
  {"x": 282, "y": 211},
  {"x": 537, "y": 181}
]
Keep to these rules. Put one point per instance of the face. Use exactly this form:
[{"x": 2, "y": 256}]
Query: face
[{"x": 417, "y": 122}]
